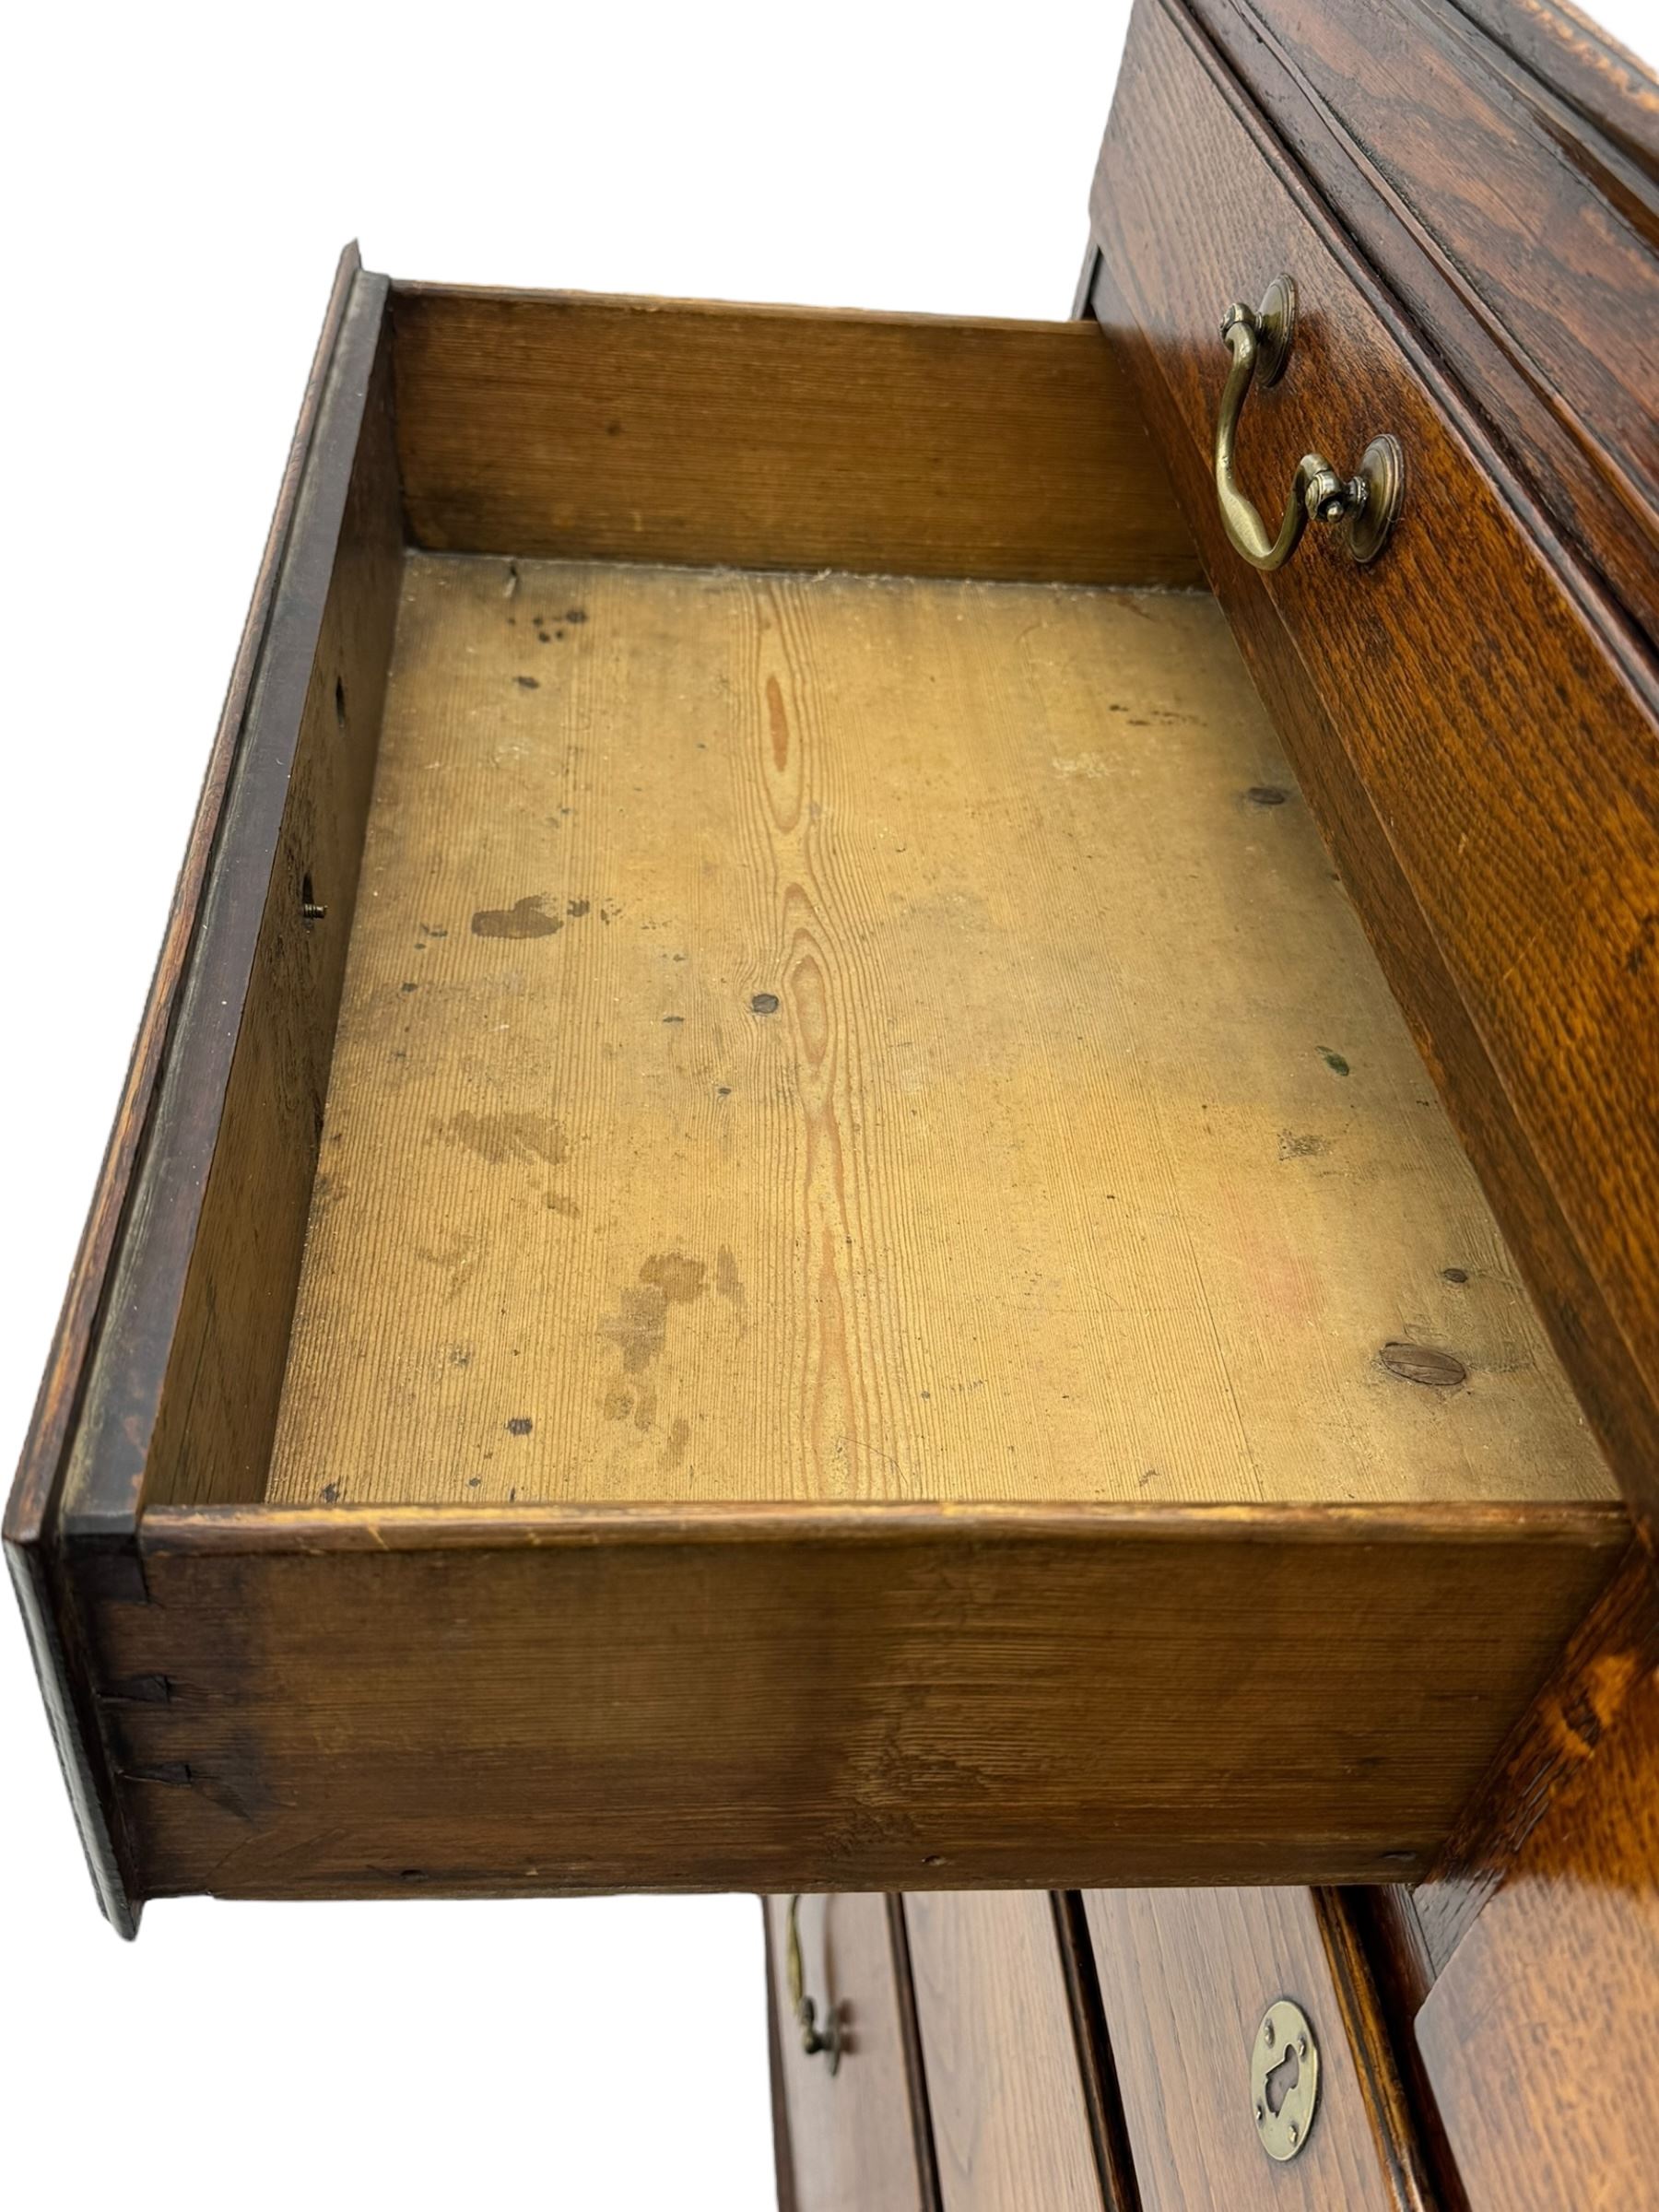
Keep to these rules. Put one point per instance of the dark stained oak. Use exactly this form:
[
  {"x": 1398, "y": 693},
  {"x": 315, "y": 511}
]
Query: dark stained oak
[
  {"x": 1011, "y": 2123},
  {"x": 1610, "y": 1654},
  {"x": 1538, "y": 2038},
  {"x": 1477, "y": 746},
  {"x": 578, "y": 426},
  {"x": 851, "y": 2138},
  {"x": 1598, "y": 78}
]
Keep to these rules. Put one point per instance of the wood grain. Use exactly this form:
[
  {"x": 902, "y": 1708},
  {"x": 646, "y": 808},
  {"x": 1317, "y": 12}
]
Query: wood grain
[
  {"x": 556, "y": 424},
  {"x": 1010, "y": 2123},
  {"x": 1538, "y": 2037},
  {"x": 851, "y": 2135},
  {"x": 1610, "y": 1654},
  {"x": 1077, "y": 1150},
  {"x": 850, "y": 1697},
  {"x": 1508, "y": 785},
  {"x": 218, "y": 1414},
  {"x": 181, "y": 1390},
  {"x": 1184, "y": 1980},
  {"x": 1603, "y": 81}
]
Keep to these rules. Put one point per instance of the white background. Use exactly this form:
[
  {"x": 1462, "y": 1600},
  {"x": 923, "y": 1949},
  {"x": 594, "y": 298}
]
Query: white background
[{"x": 178, "y": 181}]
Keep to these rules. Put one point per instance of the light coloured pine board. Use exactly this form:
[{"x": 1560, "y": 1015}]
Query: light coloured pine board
[{"x": 1085, "y": 1155}]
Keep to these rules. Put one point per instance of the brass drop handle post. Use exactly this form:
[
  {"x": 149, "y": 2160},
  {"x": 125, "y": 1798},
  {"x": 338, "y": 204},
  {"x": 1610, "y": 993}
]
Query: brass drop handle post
[
  {"x": 815, "y": 2042},
  {"x": 1363, "y": 506}
]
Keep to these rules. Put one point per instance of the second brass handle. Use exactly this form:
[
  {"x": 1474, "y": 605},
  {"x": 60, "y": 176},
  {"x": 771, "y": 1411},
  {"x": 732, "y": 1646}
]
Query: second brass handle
[
  {"x": 1363, "y": 506},
  {"x": 826, "y": 2041}
]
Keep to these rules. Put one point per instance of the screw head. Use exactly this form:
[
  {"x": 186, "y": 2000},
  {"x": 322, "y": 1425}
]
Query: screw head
[
  {"x": 1301, "y": 2046},
  {"x": 1260, "y": 2114},
  {"x": 1293, "y": 2132},
  {"x": 1267, "y": 2033}
]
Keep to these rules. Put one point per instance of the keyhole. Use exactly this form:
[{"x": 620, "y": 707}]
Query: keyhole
[{"x": 1281, "y": 2080}]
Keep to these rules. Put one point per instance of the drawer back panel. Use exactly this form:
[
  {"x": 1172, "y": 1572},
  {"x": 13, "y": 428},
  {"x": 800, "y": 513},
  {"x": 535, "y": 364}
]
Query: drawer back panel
[{"x": 572, "y": 427}]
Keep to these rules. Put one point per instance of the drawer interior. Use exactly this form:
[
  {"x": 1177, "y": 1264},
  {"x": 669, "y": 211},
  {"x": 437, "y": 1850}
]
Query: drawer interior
[
  {"x": 842, "y": 997},
  {"x": 825, "y": 1036}
]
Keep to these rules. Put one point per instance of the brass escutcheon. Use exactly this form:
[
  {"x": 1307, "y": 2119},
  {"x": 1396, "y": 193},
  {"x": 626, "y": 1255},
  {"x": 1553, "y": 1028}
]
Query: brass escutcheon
[
  {"x": 1364, "y": 507},
  {"x": 1284, "y": 2080}
]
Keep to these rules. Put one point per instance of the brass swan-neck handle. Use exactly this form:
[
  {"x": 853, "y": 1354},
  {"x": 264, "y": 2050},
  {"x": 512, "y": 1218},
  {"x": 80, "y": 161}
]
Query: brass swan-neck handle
[
  {"x": 1363, "y": 506},
  {"x": 814, "y": 2041}
]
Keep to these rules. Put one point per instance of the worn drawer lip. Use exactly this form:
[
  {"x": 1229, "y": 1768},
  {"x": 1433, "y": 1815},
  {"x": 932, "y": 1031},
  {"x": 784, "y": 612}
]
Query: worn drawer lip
[
  {"x": 415, "y": 289},
  {"x": 108, "y": 1230},
  {"x": 32, "y": 1531},
  {"x": 235, "y": 1529}
]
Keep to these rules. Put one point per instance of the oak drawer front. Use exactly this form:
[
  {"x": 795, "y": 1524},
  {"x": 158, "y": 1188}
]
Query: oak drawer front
[
  {"x": 1186, "y": 1980},
  {"x": 852, "y": 2142},
  {"x": 1006, "y": 2090},
  {"x": 782, "y": 1202},
  {"x": 1474, "y": 728}
]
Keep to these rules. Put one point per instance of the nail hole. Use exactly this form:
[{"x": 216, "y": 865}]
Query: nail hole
[{"x": 340, "y": 701}]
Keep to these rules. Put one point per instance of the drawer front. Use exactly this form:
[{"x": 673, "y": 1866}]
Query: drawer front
[
  {"x": 1186, "y": 1978},
  {"x": 850, "y": 2141},
  {"x": 1471, "y": 723},
  {"x": 1012, "y": 2124}
]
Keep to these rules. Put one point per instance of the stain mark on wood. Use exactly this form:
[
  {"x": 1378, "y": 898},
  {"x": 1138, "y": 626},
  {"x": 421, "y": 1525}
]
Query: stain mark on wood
[
  {"x": 525, "y": 917},
  {"x": 1292, "y": 1146},
  {"x": 503, "y": 1138}
]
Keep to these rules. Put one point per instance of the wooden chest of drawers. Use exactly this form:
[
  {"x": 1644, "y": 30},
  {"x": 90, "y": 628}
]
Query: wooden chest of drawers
[{"x": 879, "y": 1151}]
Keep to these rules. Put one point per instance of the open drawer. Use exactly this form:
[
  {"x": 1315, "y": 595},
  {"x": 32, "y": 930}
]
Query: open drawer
[{"x": 773, "y": 1227}]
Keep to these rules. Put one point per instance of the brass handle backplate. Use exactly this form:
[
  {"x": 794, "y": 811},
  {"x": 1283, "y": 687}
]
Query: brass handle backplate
[
  {"x": 1364, "y": 507},
  {"x": 815, "y": 2042}
]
